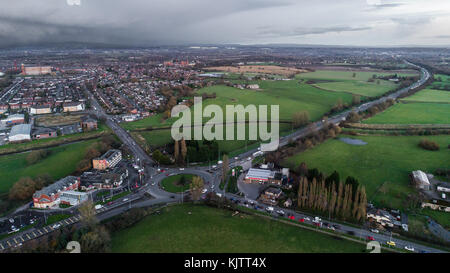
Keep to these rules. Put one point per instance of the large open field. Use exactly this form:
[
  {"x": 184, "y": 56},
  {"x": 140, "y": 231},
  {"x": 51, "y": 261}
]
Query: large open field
[
  {"x": 429, "y": 95},
  {"x": 367, "y": 89},
  {"x": 355, "y": 82},
  {"x": 413, "y": 113},
  {"x": 61, "y": 162},
  {"x": 384, "y": 160},
  {"x": 289, "y": 95},
  {"x": 346, "y": 75},
  {"x": 208, "y": 230}
]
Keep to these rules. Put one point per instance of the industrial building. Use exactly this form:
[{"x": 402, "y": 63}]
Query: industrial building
[
  {"x": 14, "y": 119},
  {"x": 21, "y": 132},
  {"x": 263, "y": 176},
  {"x": 36, "y": 70}
]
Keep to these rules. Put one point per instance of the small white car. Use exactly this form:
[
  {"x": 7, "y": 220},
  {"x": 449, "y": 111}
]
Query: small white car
[
  {"x": 409, "y": 248},
  {"x": 56, "y": 226},
  {"x": 204, "y": 190},
  {"x": 307, "y": 219},
  {"x": 375, "y": 230},
  {"x": 280, "y": 212},
  {"x": 181, "y": 169},
  {"x": 125, "y": 200},
  {"x": 270, "y": 209}
]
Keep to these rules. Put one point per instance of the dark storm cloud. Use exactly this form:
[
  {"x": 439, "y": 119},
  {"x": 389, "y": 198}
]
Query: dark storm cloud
[{"x": 156, "y": 22}]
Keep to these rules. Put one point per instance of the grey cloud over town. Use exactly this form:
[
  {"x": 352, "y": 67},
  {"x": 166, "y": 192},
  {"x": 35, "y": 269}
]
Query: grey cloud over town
[{"x": 165, "y": 22}]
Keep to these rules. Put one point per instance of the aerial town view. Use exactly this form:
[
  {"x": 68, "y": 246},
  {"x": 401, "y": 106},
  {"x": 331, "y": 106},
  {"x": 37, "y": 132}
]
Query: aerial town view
[{"x": 192, "y": 127}]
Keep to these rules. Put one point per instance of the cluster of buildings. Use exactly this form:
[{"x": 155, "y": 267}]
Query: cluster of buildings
[
  {"x": 46, "y": 95},
  {"x": 436, "y": 192},
  {"x": 73, "y": 190},
  {"x": 274, "y": 180},
  {"x": 16, "y": 130},
  {"x": 387, "y": 219}
]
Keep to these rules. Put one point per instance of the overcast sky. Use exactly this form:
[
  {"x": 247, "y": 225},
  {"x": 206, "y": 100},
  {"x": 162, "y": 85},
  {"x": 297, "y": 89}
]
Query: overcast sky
[{"x": 156, "y": 22}]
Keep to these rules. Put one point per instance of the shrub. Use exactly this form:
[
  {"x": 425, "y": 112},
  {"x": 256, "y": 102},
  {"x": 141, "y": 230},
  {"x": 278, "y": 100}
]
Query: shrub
[{"x": 429, "y": 145}]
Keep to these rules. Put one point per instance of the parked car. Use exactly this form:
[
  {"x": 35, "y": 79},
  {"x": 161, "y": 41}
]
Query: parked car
[
  {"x": 409, "y": 248},
  {"x": 269, "y": 209},
  {"x": 301, "y": 220},
  {"x": 370, "y": 238},
  {"x": 391, "y": 243},
  {"x": 11, "y": 220},
  {"x": 55, "y": 226},
  {"x": 280, "y": 212},
  {"x": 291, "y": 217},
  {"x": 375, "y": 230},
  {"x": 307, "y": 219}
]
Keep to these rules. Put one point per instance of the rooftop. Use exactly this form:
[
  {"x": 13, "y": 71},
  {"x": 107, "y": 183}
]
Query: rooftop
[{"x": 21, "y": 129}]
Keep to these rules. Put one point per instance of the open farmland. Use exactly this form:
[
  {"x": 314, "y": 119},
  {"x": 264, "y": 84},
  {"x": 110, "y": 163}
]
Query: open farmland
[
  {"x": 367, "y": 89},
  {"x": 346, "y": 75},
  {"x": 263, "y": 69},
  {"x": 413, "y": 113},
  {"x": 429, "y": 95},
  {"x": 395, "y": 156},
  {"x": 289, "y": 95},
  {"x": 177, "y": 229}
]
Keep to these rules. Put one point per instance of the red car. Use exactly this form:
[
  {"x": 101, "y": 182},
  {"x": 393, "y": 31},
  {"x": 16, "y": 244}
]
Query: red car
[
  {"x": 301, "y": 220},
  {"x": 291, "y": 217},
  {"x": 370, "y": 238}
]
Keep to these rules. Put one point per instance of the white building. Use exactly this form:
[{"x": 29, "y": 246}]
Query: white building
[
  {"x": 20, "y": 132},
  {"x": 73, "y": 198},
  {"x": 421, "y": 180}
]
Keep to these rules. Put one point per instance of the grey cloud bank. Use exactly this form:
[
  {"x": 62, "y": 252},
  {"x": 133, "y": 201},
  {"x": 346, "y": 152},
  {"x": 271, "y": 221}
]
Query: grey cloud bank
[{"x": 157, "y": 22}]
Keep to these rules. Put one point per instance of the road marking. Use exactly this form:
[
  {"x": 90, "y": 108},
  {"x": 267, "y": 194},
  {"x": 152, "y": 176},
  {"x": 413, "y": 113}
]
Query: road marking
[
  {"x": 1, "y": 245},
  {"x": 15, "y": 241},
  {"x": 9, "y": 244},
  {"x": 67, "y": 222},
  {"x": 29, "y": 237}
]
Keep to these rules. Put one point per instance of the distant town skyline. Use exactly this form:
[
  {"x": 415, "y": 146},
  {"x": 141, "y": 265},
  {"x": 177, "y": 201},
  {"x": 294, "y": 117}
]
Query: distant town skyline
[{"x": 171, "y": 22}]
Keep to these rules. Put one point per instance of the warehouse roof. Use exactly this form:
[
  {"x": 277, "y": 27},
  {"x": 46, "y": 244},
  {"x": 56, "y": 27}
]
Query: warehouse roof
[
  {"x": 260, "y": 174},
  {"x": 21, "y": 129}
]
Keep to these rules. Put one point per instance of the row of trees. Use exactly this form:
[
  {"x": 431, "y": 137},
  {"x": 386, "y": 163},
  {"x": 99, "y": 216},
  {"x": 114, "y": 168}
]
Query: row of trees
[{"x": 337, "y": 199}]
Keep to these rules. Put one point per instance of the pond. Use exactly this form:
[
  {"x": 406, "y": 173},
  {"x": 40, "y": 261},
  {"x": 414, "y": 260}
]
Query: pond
[{"x": 352, "y": 141}]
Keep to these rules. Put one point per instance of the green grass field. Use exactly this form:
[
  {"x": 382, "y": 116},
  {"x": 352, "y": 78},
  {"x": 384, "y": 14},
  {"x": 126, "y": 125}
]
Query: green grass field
[
  {"x": 359, "y": 87},
  {"x": 343, "y": 81},
  {"x": 429, "y": 95},
  {"x": 171, "y": 183},
  {"x": 210, "y": 230},
  {"x": 387, "y": 159},
  {"x": 61, "y": 162},
  {"x": 413, "y": 113},
  {"x": 289, "y": 95},
  {"x": 346, "y": 75},
  {"x": 444, "y": 82}
]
